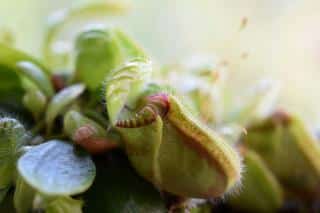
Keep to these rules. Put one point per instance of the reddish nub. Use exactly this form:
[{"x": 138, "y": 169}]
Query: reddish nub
[
  {"x": 83, "y": 133},
  {"x": 156, "y": 105},
  {"x": 86, "y": 137},
  {"x": 161, "y": 101},
  {"x": 58, "y": 82}
]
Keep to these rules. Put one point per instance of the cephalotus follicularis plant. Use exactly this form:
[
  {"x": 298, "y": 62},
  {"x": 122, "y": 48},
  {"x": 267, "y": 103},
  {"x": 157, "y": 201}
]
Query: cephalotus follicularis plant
[{"x": 171, "y": 123}]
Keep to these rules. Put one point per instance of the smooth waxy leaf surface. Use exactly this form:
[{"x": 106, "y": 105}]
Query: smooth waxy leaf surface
[
  {"x": 35, "y": 101},
  {"x": 61, "y": 100},
  {"x": 37, "y": 76},
  {"x": 54, "y": 168}
]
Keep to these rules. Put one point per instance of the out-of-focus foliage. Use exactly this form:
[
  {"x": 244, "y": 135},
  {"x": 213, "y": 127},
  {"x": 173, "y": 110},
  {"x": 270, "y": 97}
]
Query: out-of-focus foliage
[{"x": 260, "y": 191}]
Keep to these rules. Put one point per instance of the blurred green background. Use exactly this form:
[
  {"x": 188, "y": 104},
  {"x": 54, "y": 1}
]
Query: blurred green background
[{"x": 281, "y": 40}]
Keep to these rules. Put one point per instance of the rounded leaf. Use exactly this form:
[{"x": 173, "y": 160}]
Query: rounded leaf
[
  {"x": 35, "y": 101},
  {"x": 37, "y": 75},
  {"x": 12, "y": 70},
  {"x": 54, "y": 168},
  {"x": 62, "y": 100}
]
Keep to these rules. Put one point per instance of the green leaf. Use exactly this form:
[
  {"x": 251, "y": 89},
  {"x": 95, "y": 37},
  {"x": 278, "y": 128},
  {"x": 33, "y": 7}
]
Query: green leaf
[
  {"x": 23, "y": 196},
  {"x": 3, "y": 193},
  {"x": 129, "y": 47},
  {"x": 215, "y": 167},
  {"x": 261, "y": 192},
  {"x": 9, "y": 79},
  {"x": 74, "y": 120},
  {"x": 11, "y": 90},
  {"x": 60, "y": 101},
  {"x": 189, "y": 142},
  {"x": 37, "y": 76},
  {"x": 64, "y": 205},
  {"x": 56, "y": 50},
  {"x": 10, "y": 57},
  {"x": 286, "y": 145},
  {"x": 54, "y": 168},
  {"x": 97, "y": 53},
  {"x": 146, "y": 141},
  {"x": 25, "y": 66},
  {"x": 125, "y": 84},
  {"x": 117, "y": 189},
  {"x": 12, "y": 138},
  {"x": 16, "y": 66},
  {"x": 35, "y": 101}
]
